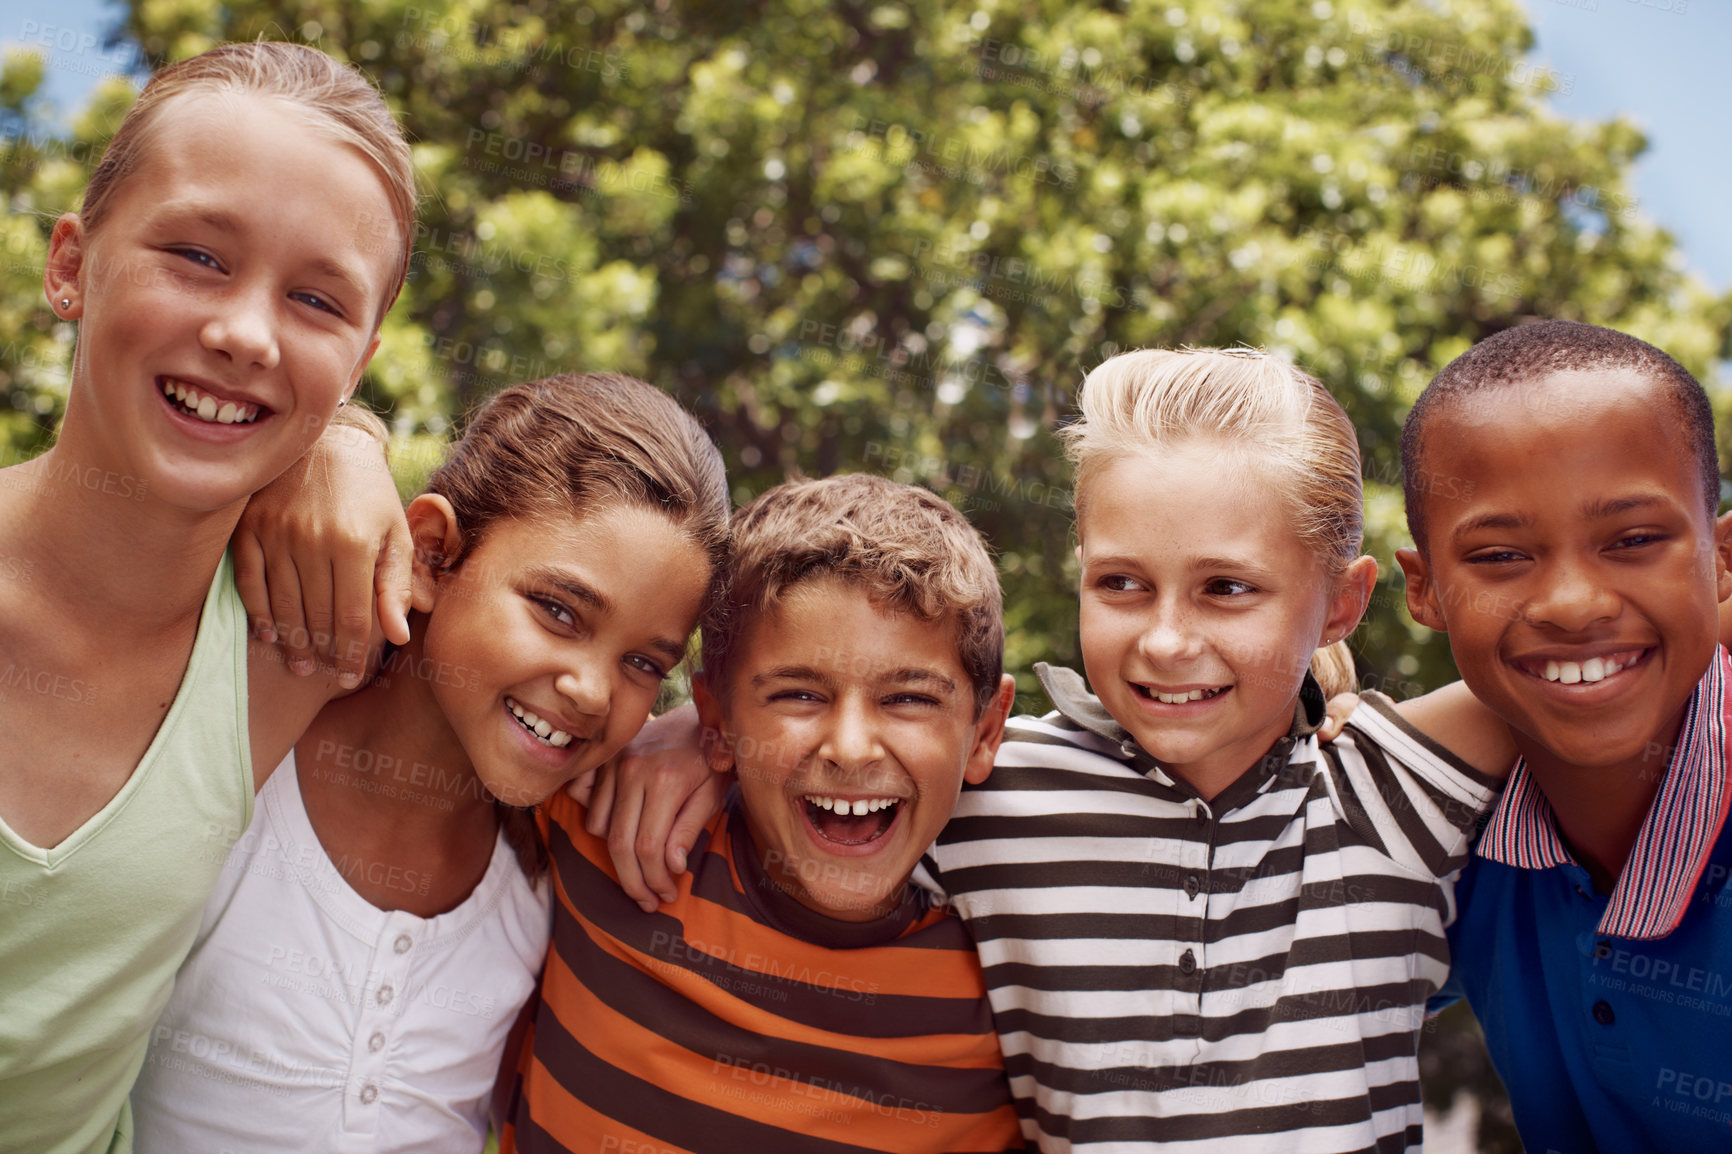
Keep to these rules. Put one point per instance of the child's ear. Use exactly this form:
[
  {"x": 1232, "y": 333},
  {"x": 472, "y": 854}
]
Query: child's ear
[
  {"x": 62, "y": 275},
  {"x": 1352, "y": 594},
  {"x": 1421, "y": 592},
  {"x": 718, "y": 750},
  {"x": 989, "y": 732},
  {"x": 433, "y": 529},
  {"x": 361, "y": 366},
  {"x": 1723, "y": 556}
]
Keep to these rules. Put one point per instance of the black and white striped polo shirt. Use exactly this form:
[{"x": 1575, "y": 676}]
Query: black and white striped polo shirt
[{"x": 1234, "y": 976}]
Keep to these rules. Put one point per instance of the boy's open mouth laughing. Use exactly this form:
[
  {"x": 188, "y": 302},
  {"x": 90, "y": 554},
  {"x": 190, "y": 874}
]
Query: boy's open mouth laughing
[{"x": 850, "y": 824}]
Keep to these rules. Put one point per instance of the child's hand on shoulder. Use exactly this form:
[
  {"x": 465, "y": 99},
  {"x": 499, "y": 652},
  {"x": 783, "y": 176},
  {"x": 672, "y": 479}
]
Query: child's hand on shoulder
[
  {"x": 1340, "y": 708},
  {"x": 321, "y": 545},
  {"x": 651, "y": 801}
]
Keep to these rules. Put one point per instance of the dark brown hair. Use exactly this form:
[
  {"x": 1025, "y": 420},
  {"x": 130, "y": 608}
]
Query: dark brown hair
[
  {"x": 577, "y": 443},
  {"x": 906, "y": 548}
]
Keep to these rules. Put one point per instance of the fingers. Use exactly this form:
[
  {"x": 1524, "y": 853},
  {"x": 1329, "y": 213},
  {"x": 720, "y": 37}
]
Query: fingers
[
  {"x": 291, "y": 625},
  {"x": 318, "y": 609},
  {"x": 249, "y": 560},
  {"x": 622, "y": 848},
  {"x": 694, "y": 815},
  {"x": 395, "y": 569},
  {"x": 601, "y": 800},
  {"x": 650, "y": 845},
  {"x": 1340, "y": 708},
  {"x": 352, "y": 610},
  {"x": 580, "y": 787}
]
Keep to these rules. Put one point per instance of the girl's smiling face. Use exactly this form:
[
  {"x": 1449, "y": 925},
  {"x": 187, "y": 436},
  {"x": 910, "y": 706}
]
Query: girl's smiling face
[
  {"x": 548, "y": 644},
  {"x": 1201, "y": 607},
  {"x": 228, "y": 302}
]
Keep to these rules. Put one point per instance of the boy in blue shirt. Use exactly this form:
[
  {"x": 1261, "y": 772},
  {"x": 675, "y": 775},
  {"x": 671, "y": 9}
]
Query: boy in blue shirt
[{"x": 1561, "y": 484}]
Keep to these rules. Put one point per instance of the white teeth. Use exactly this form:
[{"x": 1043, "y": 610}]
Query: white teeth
[
  {"x": 1181, "y": 698},
  {"x": 207, "y": 408},
  {"x": 846, "y": 808},
  {"x": 539, "y": 726},
  {"x": 1589, "y": 671}
]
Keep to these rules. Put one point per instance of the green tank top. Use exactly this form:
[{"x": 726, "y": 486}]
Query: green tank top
[{"x": 92, "y": 931}]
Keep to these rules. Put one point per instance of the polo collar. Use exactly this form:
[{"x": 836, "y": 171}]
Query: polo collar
[
  {"x": 1654, "y": 890},
  {"x": 1070, "y": 696}
]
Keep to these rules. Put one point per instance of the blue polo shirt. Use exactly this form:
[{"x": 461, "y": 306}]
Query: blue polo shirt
[{"x": 1609, "y": 1017}]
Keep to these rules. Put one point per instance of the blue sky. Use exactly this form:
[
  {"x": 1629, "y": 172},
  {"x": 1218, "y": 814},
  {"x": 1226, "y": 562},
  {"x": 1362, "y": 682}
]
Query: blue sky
[{"x": 1664, "y": 64}]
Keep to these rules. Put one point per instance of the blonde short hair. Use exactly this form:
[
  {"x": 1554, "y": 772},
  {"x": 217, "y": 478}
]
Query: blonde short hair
[{"x": 1152, "y": 398}]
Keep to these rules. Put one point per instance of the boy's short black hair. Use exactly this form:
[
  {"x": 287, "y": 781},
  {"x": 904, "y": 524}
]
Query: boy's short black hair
[{"x": 1528, "y": 352}]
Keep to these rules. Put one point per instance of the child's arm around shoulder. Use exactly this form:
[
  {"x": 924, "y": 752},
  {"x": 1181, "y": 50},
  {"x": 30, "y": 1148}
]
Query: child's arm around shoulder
[
  {"x": 312, "y": 552},
  {"x": 1460, "y": 722}
]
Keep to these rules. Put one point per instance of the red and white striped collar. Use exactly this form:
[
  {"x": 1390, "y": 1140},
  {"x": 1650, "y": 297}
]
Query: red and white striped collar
[{"x": 1657, "y": 882}]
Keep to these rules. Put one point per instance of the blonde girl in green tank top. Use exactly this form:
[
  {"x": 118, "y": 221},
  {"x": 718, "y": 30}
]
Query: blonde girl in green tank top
[{"x": 235, "y": 253}]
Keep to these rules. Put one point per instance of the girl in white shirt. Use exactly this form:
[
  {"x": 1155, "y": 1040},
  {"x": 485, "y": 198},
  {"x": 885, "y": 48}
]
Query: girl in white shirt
[{"x": 382, "y": 922}]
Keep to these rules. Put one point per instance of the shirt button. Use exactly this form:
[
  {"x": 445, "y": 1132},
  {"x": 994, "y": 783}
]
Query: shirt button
[
  {"x": 1191, "y": 885},
  {"x": 1202, "y": 816},
  {"x": 1603, "y": 950},
  {"x": 1603, "y": 1014},
  {"x": 386, "y": 993},
  {"x": 376, "y": 1042},
  {"x": 1188, "y": 962},
  {"x": 369, "y": 1094},
  {"x": 402, "y": 944}
]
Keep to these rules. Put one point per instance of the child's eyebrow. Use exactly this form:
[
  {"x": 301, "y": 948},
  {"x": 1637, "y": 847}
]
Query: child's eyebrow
[
  {"x": 324, "y": 266},
  {"x": 916, "y": 676},
  {"x": 671, "y": 649},
  {"x": 208, "y": 215},
  {"x": 1619, "y": 505},
  {"x": 1236, "y": 564},
  {"x": 1493, "y": 521},
  {"x": 789, "y": 673},
  {"x": 579, "y": 591}
]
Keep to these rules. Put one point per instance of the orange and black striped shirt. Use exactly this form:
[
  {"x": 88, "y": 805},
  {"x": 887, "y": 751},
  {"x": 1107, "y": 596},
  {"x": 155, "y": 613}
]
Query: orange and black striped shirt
[{"x": 736, "y": 1019}]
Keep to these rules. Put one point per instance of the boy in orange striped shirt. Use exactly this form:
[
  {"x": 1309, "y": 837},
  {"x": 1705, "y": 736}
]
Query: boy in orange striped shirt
[{"x": 800, "y": 994}]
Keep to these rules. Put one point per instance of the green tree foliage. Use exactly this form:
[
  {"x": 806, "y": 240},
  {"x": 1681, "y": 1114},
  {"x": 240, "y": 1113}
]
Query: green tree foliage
[{"x": 894, "y": 235}]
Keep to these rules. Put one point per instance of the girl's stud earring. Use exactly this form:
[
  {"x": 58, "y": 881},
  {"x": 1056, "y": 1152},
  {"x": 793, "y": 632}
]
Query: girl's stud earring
[{"x": 65, "y": 303}]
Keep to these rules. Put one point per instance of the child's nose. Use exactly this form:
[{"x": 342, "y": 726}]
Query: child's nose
[
  {"x": 1168, "y": 634},
  {"x": 851, "y": 741},
  {"x": 587, "y": 688},
  {"x": 242, "y": 326},
  {"x": 1572, "y": 596}
]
